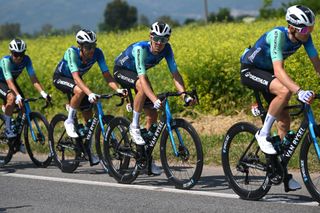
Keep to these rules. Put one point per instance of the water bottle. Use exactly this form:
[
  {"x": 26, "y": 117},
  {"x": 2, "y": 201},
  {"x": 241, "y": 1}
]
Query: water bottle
[
  {"x": 276, "y": 142},
  {"x": 81, "y": 130},
  {"x": 152, "y": 130},
  {"x": 89, "y": 122},
  {"x": 288, "y": 138}
]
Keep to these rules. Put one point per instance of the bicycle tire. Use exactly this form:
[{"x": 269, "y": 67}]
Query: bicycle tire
[
  {"x": 119, "y": 151},
  {"x": 99, "y": 138},
  {"x": 64, "y": 149},
  {"x": 6, "y": 146},
  {"x": 239, "y": 157},
  {"x": 38, "y": 150},
  {"x": 310, "y": 167},
  {"x": 184, "y": 170}
]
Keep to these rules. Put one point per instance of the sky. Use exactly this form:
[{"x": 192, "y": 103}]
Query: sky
[{"x": 62, "y": 14}]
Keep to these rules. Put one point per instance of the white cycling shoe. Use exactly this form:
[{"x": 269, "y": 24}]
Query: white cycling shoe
[
  {"x": 136, "y": 135},
  {"x": 70, "y": 129},
  {"x": 265, "y": 145}
]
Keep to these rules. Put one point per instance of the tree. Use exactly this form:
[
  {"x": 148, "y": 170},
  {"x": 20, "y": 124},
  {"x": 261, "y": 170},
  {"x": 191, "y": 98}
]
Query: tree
[
  {"x": 169, "y": 20},
  {"x": 10, "y": 31},
  {"x": 143, "y": 20},
  {"x": 224, "y": 15},
  {"x": 118, "y": 15}
]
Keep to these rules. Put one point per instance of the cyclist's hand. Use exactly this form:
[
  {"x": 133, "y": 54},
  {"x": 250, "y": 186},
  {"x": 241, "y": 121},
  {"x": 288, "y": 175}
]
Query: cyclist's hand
[
  {"x": 189, "y": 100},
  {"x": 92, "y": 97},
  {"x": 305, "y": 96},
  {"x": 18, "y": 101},
  {"x": 157, "y": 104},
  {"x": 45, "y": 96},
  {"x": 122, "y": 92}
]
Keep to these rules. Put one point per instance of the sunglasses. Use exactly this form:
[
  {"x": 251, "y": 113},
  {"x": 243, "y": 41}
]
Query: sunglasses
[
  {"x": 161, "y": 39},
  {"x": 17, "y": 54},
  {"x": 305, "y": 30},
  {"x": 89, "y": 46}
]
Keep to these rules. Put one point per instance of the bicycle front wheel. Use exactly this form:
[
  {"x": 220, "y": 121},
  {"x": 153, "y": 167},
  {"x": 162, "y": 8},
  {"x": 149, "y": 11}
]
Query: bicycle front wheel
[
  {"x": 310, "y": 167},
  {"x": 99, "y": 137},
  {"x": 36, "y": 136},
  {"x": 6, "y": 146},
  {"x": 63, "y": 148},
  {"x": 120, "y": 151},
  {"x": 244, "y": 164},
  {"x": 183, "y": 160}
]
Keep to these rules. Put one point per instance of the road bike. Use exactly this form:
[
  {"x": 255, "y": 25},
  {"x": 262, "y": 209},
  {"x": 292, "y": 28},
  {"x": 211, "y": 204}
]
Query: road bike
[
  {"x": 36, "y": 135},
  {"x": 68, "y": 152},
  {"x": 251, "y": 173},
  {"x": 180, "y": 148}
]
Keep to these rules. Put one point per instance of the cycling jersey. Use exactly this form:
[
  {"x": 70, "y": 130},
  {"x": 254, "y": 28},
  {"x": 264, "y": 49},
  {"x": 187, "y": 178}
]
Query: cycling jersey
[
  {"x": 71, "y": 62},
  {"x": 274, "y": 45},
  {"x": 10, "y": 70},
  {"x": 139, "y": 58}
]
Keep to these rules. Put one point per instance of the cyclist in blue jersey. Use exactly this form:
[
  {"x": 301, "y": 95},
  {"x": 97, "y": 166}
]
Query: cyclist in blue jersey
[
  {"x": 67, "y": 77},
  {"x": 130, "y": 71},
  {"x": 11, "y": 66},
  {"x": 262, "y": 68}
]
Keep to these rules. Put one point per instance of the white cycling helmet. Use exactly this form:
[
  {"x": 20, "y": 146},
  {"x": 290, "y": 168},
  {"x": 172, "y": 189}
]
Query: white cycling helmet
[
  {"x": 17, "y": 45},
  {"x": 86, "y": 36},
  {"x": 300, "y": 16},
  {"x": 160, "y": 29}
]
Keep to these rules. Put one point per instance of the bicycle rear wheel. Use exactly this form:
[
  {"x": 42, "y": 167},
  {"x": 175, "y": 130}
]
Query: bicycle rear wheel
[
  {"x": 184, "y": 168},
  {"x": 6, "y": 146},
  {"x": 120, "y": 151},
  {"x": 310, "y": 167},
  {"x": 64, "y": 149},
  {"x": 244, "y": 164},
  {"x": 36, "y": 139}
]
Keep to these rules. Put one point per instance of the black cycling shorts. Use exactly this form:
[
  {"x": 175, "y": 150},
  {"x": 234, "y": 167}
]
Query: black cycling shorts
[
  {"x": 66, "y": 85},
  {"x": 257, "y": 79},
  {"x": 127, "y": 79},
  {"x": 4, "y": 90}
]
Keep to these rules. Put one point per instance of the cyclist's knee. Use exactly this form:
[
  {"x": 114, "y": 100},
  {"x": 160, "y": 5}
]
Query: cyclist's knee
[
  {"x": 78, "y": 92},
  {"x": 10, "y": 98}
]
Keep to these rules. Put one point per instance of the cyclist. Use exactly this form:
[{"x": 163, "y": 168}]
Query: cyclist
[
  {"x": 67, "y": 77},
  {"x": 130, "y": 71},
  {"x": 11, "y": 67},
  {"x": 262, "y": 68}
]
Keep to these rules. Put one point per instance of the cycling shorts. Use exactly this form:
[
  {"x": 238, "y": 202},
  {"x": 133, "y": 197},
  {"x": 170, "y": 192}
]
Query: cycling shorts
[
  {"x": 257, "y": 79},
  {"x": 66, "y": 85},
  {"x": 4, "y": 90}
]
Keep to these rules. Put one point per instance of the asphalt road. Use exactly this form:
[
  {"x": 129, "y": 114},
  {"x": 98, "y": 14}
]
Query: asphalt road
[{"x": 25, "y": 188}]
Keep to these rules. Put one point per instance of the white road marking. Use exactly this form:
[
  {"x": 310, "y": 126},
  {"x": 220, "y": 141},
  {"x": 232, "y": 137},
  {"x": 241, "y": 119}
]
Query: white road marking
[{"x": 142, "y": 187}]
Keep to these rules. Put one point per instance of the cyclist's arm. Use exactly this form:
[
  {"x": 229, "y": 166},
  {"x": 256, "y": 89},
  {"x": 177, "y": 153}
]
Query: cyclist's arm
[
  {"x": 178, "y": 82},
  {"x": 5, "y": 64},
  {"x": 139, "y": 55},
  {"x": 276, "y": 40},
  {"x": 33, "y": 76},
  {"x": 316, "y": 63},
  {"x": 79, "y": 82},
  {"x": 111, "y": 82}
]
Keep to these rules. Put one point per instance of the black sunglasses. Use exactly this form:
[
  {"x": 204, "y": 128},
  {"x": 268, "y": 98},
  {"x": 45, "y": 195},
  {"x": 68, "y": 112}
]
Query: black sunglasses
[{"x": 18, "y": 54}]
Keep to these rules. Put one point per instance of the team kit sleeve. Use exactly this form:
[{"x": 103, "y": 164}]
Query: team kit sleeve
[
  {"x": 6, "y": 68},
  {"x": 275, "y": 39},
  {"x": 72, "y": 59},
  {"x": 139, "y": 55},
  {"x": 170, "y": 61},
  {"x": 29, "y": 67},
  {"x": 310, "y": 48},
  {"x": 101, "y": 61}
]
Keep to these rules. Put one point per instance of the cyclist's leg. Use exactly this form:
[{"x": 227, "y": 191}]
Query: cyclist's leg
[
  {"x": 8, "y": 99},
  {"x": 68, "y": 86},
  {"x": 129, "y": 79}
]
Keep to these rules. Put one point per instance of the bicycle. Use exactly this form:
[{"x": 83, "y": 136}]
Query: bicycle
[
  {"x": 36, "y": 132},
  {"x": 68, "y": 152},
  {"x": 251, "y": 173},
  {"x": 181, "y": 155}
]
